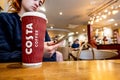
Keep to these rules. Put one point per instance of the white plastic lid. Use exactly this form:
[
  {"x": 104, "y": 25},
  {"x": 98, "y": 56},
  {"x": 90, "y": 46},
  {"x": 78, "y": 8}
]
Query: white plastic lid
[{"x": 38, "y": 14}]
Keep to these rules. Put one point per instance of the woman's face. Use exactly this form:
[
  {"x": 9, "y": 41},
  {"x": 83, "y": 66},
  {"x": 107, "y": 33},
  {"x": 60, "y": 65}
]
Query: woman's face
[{"x": 30, "y": 5}]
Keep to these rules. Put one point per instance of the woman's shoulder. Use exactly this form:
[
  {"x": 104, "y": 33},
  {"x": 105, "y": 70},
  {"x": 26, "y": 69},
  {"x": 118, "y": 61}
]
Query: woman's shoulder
[
  {"x": 9, "y": 17},
  {"x": 6, "y": 14}
]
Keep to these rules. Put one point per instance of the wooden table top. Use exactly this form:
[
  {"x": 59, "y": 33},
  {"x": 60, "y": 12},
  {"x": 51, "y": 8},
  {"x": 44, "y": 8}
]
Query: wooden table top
[{"x": 66, "y": 70}]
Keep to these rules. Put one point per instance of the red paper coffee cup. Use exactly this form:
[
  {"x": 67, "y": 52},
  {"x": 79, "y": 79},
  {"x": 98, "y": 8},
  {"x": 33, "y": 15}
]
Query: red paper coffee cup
[{"x": 33, "y": 34}]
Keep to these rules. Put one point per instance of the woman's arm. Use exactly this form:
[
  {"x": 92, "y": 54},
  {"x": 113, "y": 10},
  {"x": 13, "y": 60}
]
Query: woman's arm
[{"x": 8, "y": 49}]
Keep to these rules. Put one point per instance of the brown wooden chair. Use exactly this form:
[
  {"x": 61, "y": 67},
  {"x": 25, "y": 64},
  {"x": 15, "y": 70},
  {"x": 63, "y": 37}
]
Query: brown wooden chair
[{"x": 78, "y": 52}]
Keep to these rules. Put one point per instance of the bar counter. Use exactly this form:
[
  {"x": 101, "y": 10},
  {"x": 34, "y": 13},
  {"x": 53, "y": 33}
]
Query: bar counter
[
  {"x": 66, "y": 70},
  {"x": 109, "y": 46}
]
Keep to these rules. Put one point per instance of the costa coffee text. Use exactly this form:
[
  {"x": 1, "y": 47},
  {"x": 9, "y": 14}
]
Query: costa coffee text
[{"x": 30, "y": 38}]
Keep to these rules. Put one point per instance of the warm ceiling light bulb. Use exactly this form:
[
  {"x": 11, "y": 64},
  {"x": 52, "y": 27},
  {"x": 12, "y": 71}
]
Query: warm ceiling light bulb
[
  {"x": 97, "y": 16},
  {"x": 51, "y": 27},
  {"x": 115, "y": 11},
  {"x": 100, "y": 18},
  {"x": 97, "y": 20},
  {"x": 76, "y": 32},
  {"x": 104, "y": 16},
  {"x": 109, "y": 13},
  {"x": 60, "y": 13},
  {"x": 112, "y": 7},
  {"x": 91, "y": 18},
  {"x": 111, "y": 20},
  {"x": 71, "y": 33},
  {"x": 106, "y": 10},
  {"x": 89, "y": 22},
  {"x": 83, "y": 29},
  {"x": 116, "y": 24},
  {"x": 59, "y": 35}
]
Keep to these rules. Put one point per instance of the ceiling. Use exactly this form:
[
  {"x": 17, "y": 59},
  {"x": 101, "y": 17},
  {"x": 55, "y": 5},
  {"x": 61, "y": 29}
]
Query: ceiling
[{"x": 75, "y": 13}]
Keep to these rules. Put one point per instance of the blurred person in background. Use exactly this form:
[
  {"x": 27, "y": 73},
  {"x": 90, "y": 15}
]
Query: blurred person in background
[{"x": 76, "y": 44}]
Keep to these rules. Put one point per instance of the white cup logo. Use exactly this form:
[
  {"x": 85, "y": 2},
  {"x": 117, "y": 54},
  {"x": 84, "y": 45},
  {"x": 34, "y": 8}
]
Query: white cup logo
[
  {"x": 29, "y": 44},
  {"x": 29, "y": 30}
]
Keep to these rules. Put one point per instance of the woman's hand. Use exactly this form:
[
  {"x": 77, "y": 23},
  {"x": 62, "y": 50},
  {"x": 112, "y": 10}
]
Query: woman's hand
[{"x": 50, "y": 47}]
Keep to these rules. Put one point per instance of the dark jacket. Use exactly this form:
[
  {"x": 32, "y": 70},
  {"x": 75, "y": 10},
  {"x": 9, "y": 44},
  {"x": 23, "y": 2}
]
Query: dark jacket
[
  {"x": 10, "y": 37},
  {"x": 75, "y": 45}
]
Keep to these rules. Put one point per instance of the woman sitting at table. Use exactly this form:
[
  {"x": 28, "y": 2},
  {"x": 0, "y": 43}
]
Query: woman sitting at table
[{"x": 10, "y": 32}]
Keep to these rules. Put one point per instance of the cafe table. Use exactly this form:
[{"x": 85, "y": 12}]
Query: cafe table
[{"x": 66, "y": 70}]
